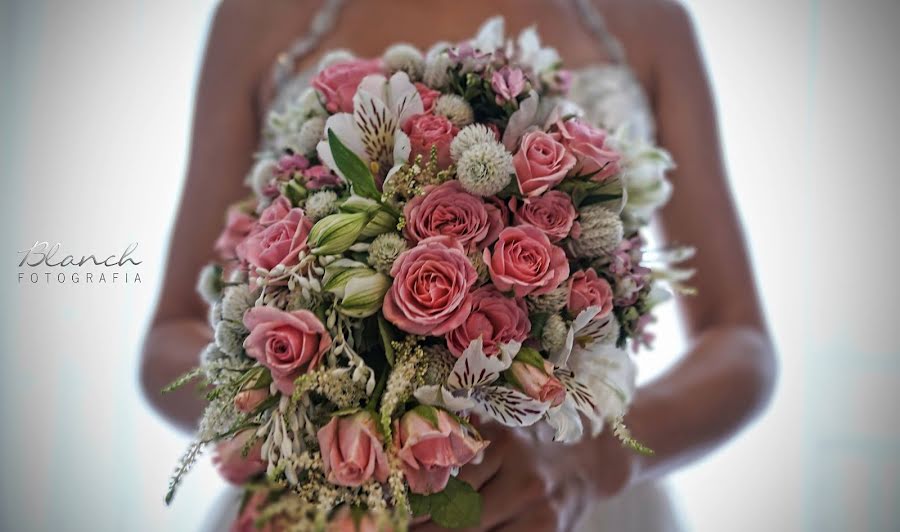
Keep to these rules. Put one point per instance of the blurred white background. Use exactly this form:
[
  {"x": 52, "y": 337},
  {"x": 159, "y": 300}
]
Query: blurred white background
[{"x": 95, "y": 104}]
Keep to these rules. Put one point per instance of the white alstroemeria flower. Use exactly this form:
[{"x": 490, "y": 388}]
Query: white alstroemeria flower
[
  {"x": 644, "y": 168},
  {"x": 531, "y": 53},
  {"x": 583, "y": 332},
  {"x": 373, "y": 131},
  {"x": 606, "y": 375},
  {"x": 470, "y": 386},
  {"x": 490, "y": 35}
]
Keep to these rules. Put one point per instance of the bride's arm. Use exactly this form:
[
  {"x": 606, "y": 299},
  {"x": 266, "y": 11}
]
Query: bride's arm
[
  {"x": 224, "y": 138},
  {"x": 727, "y": 375},
  {"x": 724, "y": 379}
]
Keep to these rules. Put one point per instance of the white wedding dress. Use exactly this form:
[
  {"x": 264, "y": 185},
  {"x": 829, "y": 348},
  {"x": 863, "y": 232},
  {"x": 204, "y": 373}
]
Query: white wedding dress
[{"x": 610, "y": 95}]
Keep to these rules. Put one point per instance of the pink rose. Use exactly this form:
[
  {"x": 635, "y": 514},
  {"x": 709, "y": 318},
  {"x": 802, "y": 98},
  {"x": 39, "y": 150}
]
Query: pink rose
[
  {"x": 246, "y": 401},
  {"x": 352, "y": 450},
  {"x": 428, "y": 453},
  {"x": 425, "y": 131},
  {"x": 538, "y": 383},
  {"x": 430, "y": 293},
  {"x": 541, "y": 163},
  {"x": 343, "y": 521},
  {"x": 587, "y": 289},
  {"x": 495, "y": 318},
  {"x": 275, "y": 212},
  {"x": 320, "y": 176},
  {"x": 429, "y": 96},
  {"x": 246, "y": 521},
  {"x": 507, "y": 84},
  {"x": 281, "y": 237},
  {"x": 525, "y": 262},
  {"x": 288, "y": 343},
  {"x": 587, "y": 144},
  {"x": 238, "y": 226},
  {"x": 553, "y": 213},
  {"x": 449, "y": 210},
  {"x": 231, "y": 463},
  {"x": 337, "y": 83}
]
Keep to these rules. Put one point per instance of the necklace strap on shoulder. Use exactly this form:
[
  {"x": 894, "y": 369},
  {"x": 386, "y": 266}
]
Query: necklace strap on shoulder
[
  {"x": 596, "y": 23},
  {"x": 322, "y": 22}
]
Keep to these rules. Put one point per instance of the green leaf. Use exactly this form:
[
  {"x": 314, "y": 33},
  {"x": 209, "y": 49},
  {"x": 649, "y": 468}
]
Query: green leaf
[
  {"x": 458, "y": 506},
  {"x": 429, "y": 413},
  {"x": 353, "y": 168},
  {"x": 386, "y": 330}
]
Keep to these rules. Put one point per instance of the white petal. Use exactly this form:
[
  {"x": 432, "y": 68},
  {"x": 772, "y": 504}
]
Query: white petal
[
  {"x": 520, "y": 121},
  {"x": 566, "y": 421},
  {"x": 490, "y": 35},
  {"x": 610, "y": 374},
  {"x": 475, "y": 369},
  {"x": 509, "y": 406},
  {"x": 345, "y": 130},
  {"x": 529, "y": 42},
  {"x": 560, "y": 358},
  {"x": 403, "y": 98},
  {"x": 439, "y": 396},
  {"x": 402, "y": 147}
]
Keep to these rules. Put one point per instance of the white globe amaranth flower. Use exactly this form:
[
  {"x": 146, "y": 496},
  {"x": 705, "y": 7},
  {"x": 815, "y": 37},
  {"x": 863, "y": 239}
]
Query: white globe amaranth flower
[
  {"x": 262, "y": 173},
  {"x": 553, "y": 336},
  {"x": 470, "y": 136},
  {"x": 550, "y": 302},
  {"x": 230, "y": 337},
  {"x": 406, "y": 58},
  {"x": 485, "y": 169},
  {"x": 335, "y": 56},
  {"x": 455, "y": 108},
  {"x": 321, "y": 204},
  {"x": 311, "y": 133},
  {"x": 437, "y": 66},
  {"x": 384, "y": 251},
  {"x": 215, "y": 313},
  {"x": 210, "y": 283},
  {"x": 237, "y": 301},
  {"x": 211, "y": 353},
  {"x": 601, "y": 232}
]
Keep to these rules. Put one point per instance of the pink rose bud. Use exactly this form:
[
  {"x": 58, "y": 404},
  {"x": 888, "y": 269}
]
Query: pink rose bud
[
  {"x": 427, "y": 131},
  {"x": 541, "y": 163},
  {"x": 287, "y": 343},
  {"x": 252, "y": 511},
  {"x": 588, "y": 144},
  {"x": 247, "y": 401},
  {"x": 229, "y": 458},
  {"x": 431, "y": 444},
  {"x": 538, "y": 382},
  {"x": 352, "y": 450},
  {"x": 587, "y": 289},
  {"x": 238, "y": 226},
  {"x": 343, "y": 521},
  {"x": 281, "y": 236},
  {"x": 337, "y": 83}
]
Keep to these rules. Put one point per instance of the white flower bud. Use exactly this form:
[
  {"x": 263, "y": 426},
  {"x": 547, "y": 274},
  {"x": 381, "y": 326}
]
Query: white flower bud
[
  {"x": 337, "y": 232},
  {"x": 311, "y": 132},
  {"x": 261, "y": 175},
  {"x": 363, "y": 295}
]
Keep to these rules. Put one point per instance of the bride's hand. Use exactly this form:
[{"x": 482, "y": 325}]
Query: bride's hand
[{"x": 538, "y": 486}]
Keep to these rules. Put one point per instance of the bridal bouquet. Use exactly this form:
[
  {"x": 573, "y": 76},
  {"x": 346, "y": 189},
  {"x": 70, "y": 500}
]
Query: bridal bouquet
[{"x": 431, "y": 237}]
